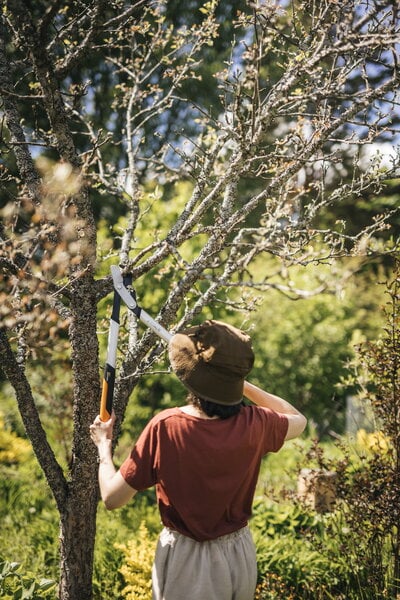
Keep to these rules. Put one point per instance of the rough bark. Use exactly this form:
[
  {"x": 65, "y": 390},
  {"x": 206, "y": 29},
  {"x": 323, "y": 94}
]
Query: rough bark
[
  {"x": 76, "y": 493},
  {"x": 78, "y": 514}
]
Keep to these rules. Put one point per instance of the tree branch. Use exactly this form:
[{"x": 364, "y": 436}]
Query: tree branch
[
  {"x": 32, "y": 422},
  {"x": 23, "y": 157},
  {"x": 73, "y": 59}
]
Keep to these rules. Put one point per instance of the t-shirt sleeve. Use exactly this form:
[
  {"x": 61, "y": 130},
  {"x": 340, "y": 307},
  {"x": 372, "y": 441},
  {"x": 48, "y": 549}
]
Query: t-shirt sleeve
[
  {"x": 139, "y": 468},
  {"x": 276, "y": 426}
]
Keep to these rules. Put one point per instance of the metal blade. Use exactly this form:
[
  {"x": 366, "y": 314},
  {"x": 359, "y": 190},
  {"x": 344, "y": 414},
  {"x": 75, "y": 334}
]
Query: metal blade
[
  {"x": 131, "y": 303},
  {"x": 121, "y": 289}
]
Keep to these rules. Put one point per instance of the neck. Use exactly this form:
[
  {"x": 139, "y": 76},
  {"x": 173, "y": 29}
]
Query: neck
[{"x": 194, "y": 411}]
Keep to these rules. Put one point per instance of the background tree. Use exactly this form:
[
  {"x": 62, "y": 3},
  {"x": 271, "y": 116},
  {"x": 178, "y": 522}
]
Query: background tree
[
  {"x": 99, "y": 104},
  {"x": 303, "y": 347}
]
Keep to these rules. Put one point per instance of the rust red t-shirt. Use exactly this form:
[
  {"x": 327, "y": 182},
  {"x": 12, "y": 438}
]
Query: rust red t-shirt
[{"x": 205, "y": 470}]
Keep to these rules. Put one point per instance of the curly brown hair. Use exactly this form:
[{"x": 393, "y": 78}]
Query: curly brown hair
[{"x": 212, "y": 409}]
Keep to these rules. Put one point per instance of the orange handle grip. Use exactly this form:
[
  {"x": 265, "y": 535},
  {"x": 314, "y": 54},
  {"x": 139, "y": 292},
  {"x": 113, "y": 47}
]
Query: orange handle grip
[{"x": 107, "y": 393}]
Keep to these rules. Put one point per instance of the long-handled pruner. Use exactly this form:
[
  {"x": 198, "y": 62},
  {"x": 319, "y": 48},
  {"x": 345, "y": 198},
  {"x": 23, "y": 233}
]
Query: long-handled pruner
[{"x": 124, "y": 291}]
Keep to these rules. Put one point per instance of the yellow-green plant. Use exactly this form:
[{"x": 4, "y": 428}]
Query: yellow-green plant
[
  {"x": 13, "y": 449},
  {"x": 136, "y": 570},
  {"x": 372, "y": 442}
]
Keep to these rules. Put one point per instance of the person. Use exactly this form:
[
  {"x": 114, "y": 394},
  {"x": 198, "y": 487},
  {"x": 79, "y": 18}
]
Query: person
[{"x": 204, "y": 459}]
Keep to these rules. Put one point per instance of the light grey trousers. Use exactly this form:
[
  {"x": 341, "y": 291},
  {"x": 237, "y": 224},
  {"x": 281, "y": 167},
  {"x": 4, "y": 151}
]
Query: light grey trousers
[{"x": 220, "y": 569}]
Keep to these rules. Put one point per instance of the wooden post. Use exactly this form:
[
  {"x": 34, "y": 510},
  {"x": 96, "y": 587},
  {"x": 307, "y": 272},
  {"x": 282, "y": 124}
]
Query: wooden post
[{"x": 316, "y": 488}]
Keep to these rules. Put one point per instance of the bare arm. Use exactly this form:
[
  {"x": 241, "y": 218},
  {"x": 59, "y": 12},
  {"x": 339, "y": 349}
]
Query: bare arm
[
  {"x": 115, "y": 492},
  {"x": 297, "y": 421}
]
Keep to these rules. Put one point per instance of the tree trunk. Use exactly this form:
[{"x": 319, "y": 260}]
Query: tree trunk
[
  {"x": 76, "y": 498},
  {"x": 77, "y": 535},
  {"x": 78, "y": 512}
]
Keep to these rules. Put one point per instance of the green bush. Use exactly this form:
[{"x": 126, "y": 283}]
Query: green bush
[
  {"x": 114, "y": 530},
  {"x": 295, "y": 549},
  {"x": 16, "y": 585},
  {"x": 29, "y": 522}
]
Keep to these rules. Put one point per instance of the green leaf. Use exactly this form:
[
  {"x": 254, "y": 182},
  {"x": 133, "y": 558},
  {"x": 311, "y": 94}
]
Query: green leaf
[{"x": 46, "y": 584}]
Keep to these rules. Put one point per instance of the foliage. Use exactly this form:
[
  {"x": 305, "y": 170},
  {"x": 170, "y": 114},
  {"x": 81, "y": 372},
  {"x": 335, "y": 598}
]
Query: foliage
[
  {"x": 139, "y": 555},
  {"x": 285, "y": 535},
  {"x": 13, "y": 449},
  {"x": 15, "y": 585},
  {"x": 300, "y": 554},
  {"x": 374, "y": 495},
  {"x": 28, "y": 524},
  {"x": 372, "y": 442},
  {"x": 369, "y": 488},
  {"x": 303, "y": 346},
  {"x": 29, "y": 527},
  {"x": 113, "y": 531},
  {"x": 98, "y": 104},
  {"x": 274, "y": 587}
]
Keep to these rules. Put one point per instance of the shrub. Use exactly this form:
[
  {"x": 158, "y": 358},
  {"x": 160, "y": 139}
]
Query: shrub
[
  {"x": 273, "y": 587},
  {"x": 365, "y": 530},
  {"x": 13, "y": 449},
  {"x": 29, "y": 525},
  {"x": 15, "y": 585},
  {"x": 296, "y": 552},
  {"x": 139, "y": 556},
  {"x": 371, "y": 492}
]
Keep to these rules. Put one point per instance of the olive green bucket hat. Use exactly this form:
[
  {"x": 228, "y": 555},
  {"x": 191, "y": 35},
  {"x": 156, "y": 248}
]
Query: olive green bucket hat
[{"x": 212, "y": 360}]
